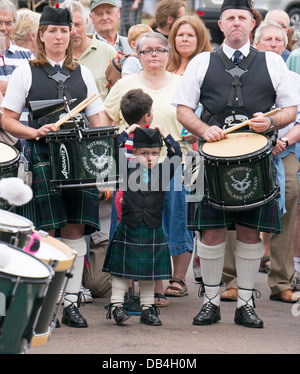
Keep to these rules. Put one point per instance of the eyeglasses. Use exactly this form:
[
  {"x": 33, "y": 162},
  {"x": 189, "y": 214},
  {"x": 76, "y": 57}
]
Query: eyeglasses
[
  {"x": 158, "y": 51},
  {"x": 7, "y": 23}
]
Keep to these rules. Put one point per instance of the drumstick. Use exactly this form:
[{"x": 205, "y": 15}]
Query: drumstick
[
  {"x": 74, "y": 111},
  {"x": 239, "y": 125},
  {"x": 77, "y": 109}
]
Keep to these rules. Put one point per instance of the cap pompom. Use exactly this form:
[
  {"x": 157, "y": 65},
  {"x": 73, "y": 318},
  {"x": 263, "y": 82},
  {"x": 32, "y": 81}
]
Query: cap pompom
[{"x": 57, "y": 5}]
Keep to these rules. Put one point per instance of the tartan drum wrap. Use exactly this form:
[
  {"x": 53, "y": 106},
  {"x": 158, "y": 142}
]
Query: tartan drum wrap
[
  {"x": 138, "y": 253},
  {"x": 59, "y": 208}
]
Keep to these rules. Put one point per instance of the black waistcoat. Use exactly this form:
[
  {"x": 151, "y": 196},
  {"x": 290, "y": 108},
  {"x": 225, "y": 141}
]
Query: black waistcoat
[
  {"x": 45, "y": 88},
  {"x": 257, "y": 91},
  {"x": 145, "y": 204}
]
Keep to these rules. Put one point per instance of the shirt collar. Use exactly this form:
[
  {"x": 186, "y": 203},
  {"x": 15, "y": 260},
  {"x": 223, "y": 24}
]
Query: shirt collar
[
  {"x": 52, "y": 63},
  {"x": 116, "y": 46},
  {"x": 245, "y": 49}
]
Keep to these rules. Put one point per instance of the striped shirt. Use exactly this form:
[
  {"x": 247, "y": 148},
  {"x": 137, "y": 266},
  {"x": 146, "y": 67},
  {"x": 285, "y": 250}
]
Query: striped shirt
[{"x": 13, "y": 57}]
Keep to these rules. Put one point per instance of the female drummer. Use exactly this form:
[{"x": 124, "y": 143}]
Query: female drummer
[{"x": 72, "y": 210}]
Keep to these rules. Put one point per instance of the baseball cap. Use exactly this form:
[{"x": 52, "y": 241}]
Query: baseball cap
[{"x": 95, "y": 3}]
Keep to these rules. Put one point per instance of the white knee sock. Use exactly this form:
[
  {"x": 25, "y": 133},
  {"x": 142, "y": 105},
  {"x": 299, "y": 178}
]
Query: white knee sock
[
  {"x": 212, "y": 262},
  {"x": 74, "y": 283},
  {"x": 118, "y": 289},
  {"x": 247, "y": 264},
  {"x": 147, "y": 293}
]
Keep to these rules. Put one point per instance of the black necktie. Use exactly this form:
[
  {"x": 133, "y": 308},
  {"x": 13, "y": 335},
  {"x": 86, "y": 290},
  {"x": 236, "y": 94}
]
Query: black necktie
[
  {"x": 237, "y": 57},
  {"x": 57, "y": 67}
]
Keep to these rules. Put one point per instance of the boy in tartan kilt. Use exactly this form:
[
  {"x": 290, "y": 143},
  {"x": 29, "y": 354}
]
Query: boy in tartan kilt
[{"x": 139, "y": 250}]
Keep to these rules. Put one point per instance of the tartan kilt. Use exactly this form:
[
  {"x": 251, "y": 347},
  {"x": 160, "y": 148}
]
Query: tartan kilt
[
  {"x": 48, "y": 209},
  {"x": 265, "y": 218},
  {"x": 138, "y": 253}
]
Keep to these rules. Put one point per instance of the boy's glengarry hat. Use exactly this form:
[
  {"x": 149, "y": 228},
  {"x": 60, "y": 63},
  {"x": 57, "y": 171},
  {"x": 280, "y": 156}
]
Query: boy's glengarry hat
[{"x": 147, "y": 138}]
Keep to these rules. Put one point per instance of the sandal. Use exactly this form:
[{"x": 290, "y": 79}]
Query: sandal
[
  {"x": 264, "y": 267},
  {"x": 182, "y": 290},
  {"x": 160, "y": 296}
]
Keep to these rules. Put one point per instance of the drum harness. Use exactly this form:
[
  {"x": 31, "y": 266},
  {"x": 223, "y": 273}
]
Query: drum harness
[
  {"x": 235, "y": 98},
  {"x": 60, "y": 77}
]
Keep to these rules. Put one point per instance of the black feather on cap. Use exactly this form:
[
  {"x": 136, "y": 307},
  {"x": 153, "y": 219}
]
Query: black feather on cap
[
  {"x": 237, "y": 4},
  {"x": 56, "y": 16},
  {"x": 147, "y": 138}
]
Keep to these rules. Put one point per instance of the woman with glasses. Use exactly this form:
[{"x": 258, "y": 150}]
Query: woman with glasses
[
  {"x": 154, "y": 51},
  {"x": 187, "y": 38}
]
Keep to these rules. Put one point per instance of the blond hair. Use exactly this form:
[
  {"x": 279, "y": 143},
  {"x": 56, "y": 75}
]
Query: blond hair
[
  {"x": 136, "y": 30},
  {"x": 27, "y": 22}
]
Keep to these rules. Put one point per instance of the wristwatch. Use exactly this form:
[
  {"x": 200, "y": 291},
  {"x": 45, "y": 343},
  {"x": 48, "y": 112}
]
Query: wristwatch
[
  {"x": 272, "y": 125},
  {"x": 284, "y": 139}
]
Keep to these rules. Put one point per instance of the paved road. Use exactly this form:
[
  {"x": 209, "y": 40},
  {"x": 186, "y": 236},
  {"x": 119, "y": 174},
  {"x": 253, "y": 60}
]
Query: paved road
[{"x": 177, "y": 335}]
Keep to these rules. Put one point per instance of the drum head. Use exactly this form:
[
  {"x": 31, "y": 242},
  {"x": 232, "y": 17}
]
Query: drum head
[
  {"x": 53, "y": 249},
  {"x": 7, "y": 153},
  {"x": 11, "y": 222},
  {"x": 15, "y": 262},
  {"x": 236, "y": 144}
]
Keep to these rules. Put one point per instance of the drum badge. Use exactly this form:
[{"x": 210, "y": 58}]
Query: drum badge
[
  {"x": 239, "y": 184},
  {"x": 99, "y": 162}
]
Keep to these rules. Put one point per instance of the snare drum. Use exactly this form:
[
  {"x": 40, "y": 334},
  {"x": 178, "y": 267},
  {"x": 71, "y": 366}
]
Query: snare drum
[
  {"x": 24, "y": 281},
  {"x": 239, "y": 172},
  {"x": 60, "y": 257},
  {"x": 82, "y": 158},
  {"x": 9, "y": 164},
  {"x": 14, "y": 229}
]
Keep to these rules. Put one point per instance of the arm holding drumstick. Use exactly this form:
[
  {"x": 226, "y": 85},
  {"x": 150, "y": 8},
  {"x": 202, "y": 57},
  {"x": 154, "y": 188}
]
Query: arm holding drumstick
[
  {"x": 259, "y": 123},
  {"x": 248, "y": 122},
  {"x": 282, "y": 118},
  {"x": 76, "y": 110}
]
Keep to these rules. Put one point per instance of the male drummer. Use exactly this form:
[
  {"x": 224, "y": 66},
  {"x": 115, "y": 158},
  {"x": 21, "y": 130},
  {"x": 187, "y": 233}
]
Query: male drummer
[{"x": 224, "y": 94}]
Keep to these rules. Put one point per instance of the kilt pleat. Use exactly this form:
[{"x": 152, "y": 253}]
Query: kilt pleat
[
  {"x": 138, "y": 253},
  {"x": 265, "y": 218},
  {"x": 54, "y": 209}
]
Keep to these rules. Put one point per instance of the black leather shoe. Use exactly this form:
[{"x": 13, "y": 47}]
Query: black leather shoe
[
  {"x": 119, "y": 313},
  {"x": 209, "y": 313},
  {"x": 150, "y": 316},
  {"x": 245, "y": 315},
  {"x": 72, "y": 317}
]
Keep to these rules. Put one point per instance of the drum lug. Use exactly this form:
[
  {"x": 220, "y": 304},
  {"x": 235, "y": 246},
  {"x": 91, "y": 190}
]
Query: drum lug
[{"x": 79, "y": 133}]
